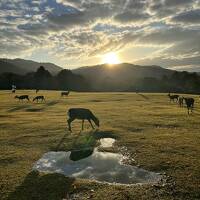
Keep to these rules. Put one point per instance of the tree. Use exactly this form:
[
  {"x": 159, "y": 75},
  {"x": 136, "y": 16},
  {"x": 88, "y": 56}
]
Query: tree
[{"x": 43, "y": 78}]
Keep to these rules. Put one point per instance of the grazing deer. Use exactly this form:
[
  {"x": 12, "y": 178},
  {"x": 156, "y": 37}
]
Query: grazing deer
[
  {"x": 37, "y": 90},
  {"x": 173, "y": 97},
  {"x": 180, "y": 101},
  {"x": 189, "y": 103},
  {"x": 39, "y": 98},
  {"x": 82, "y": 114},
  {"x": 64, "y": 93},
  {"x": 22, "y": 97}
]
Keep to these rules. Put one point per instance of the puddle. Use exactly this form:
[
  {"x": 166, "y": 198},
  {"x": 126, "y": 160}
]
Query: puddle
[
  {"x": 95, "y": 165},
  {"x": 106, "y": 142}
]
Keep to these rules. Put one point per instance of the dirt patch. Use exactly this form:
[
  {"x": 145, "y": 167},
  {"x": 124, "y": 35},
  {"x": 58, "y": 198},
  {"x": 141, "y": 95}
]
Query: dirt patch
[
  {"x": 3, "y": 116},
  {"x": 166, "y": 126},
  {"x": 135, "y": 130},
  {"x": 96, "y": 100}
]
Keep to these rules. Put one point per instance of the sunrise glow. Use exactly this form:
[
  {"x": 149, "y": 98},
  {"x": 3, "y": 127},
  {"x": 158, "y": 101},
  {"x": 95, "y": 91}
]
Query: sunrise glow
[{"x": 111, "y": 58}]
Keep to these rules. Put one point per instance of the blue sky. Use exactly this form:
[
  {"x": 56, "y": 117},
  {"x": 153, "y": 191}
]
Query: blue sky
[{"x": 73, "y": 33}]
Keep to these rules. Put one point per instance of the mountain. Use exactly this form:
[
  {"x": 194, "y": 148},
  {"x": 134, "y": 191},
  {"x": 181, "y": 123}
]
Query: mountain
[
  {"x": 120, "y": 76},
  {"x": 8, "y": 67},
  {"x": 22, "y": 66}
]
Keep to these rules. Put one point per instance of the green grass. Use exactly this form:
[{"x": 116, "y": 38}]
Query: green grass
[{"x": 158, "y": 134}]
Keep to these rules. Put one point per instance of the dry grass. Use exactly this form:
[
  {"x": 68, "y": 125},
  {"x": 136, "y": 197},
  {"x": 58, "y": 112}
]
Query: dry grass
[{"x": 161, "y": 134}]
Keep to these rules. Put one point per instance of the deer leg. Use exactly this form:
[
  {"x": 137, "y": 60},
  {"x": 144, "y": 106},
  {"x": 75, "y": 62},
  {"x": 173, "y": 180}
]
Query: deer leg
[
  {"x": 82, "y": 124},
  {"x": 91, "y": 123},
  {"x": 69, "y": 121}
]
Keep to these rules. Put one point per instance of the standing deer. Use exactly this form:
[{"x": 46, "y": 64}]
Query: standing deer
[
  {"x": 190, "y": 104},
  {"x": 180, "y": 101},
  {"x": 82, "y": 114},
  {"x": 13, "y": 88}
]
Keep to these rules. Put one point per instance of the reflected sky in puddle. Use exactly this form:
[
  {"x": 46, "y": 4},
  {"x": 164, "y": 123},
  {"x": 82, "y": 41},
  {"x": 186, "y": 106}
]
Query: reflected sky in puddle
[
  {"x": 106, "y": 142},
  {"x": 95, "y": 165}
]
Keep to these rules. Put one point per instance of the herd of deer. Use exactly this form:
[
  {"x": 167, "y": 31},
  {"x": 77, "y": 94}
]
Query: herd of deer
[
  {"x": 85, "y": 114},
  {"x": 180, "y": 100},
  {"x": 37, "y": 98},
  {"x": 73, "y": 113}
]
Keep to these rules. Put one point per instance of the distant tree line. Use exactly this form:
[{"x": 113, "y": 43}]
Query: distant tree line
[
  {"x": 180, "y": 82},
  {"x": 43, "y": 79}
]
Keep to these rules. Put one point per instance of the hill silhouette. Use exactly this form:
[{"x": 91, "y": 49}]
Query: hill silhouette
[
  {"x": 42, "y": 79},
  {"x": 22, "y": 66},
  {"x": 119, "y": 77},
  {"x": 105, "y": 78},
  {"x": 9, "y": 67}
]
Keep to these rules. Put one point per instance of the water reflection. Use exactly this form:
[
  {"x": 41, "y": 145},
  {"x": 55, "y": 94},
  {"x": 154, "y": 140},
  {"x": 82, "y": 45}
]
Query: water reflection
[
  {"x": 92, "y": 164},
  {"x": 76, "y": 155},
  {"x": 106, "y": 142}
]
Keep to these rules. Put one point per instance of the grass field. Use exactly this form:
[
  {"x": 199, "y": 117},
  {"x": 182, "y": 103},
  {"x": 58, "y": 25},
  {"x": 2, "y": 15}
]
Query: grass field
[{"x": 159, "y": 135}]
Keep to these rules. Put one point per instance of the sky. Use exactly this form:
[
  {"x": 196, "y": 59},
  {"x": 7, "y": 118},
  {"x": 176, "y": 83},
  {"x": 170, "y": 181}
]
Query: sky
[{"x": 74, "y": 33}]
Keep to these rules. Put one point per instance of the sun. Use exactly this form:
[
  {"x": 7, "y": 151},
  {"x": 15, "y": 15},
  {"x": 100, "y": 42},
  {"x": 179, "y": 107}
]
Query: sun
[{"x": 111, "y": 58}]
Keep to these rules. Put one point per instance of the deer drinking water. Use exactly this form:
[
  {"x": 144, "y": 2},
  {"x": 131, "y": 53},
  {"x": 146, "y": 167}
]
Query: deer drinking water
[{"x": 82, "y": 114}]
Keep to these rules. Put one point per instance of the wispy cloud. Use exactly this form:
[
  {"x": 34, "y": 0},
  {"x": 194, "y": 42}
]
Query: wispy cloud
[{"x": 79, "y": 30}]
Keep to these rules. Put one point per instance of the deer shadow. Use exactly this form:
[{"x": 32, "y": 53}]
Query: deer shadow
[
  {"x": 34, "y": 109},
  {"x": 52, "y": 103},
  {"x": 143, "y": 96},
  {"x": 21, "y": 107},
  {"x": 60, "y": 143},
  {"x": 83, "y": 140},
  {"x": 43, "y": 187}
]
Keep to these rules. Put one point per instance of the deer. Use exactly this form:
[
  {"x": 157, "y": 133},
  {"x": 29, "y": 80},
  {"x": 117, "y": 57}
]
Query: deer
[
  {"x": 82, "y": 114},
  {"x": 37, "y": 98},
  {"x": 65, "y": 93},
  {"x": 173, "y": 97},
  {"x": 180, "y": 101},
  {"x": 190, "y": 104},
  {"x": 22, "y": 97}
]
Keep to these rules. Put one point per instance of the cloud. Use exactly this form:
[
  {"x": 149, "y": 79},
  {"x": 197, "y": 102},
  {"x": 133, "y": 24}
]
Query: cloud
[
  {"x": 166, "y": 8},
  {"x": 170, "y": 62},
  {"x": 127, "y": 17},
  {"x": 189, "y": 17},
  {"x": 175, "y": 3},
  {"x": 70, "y": 29}
]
